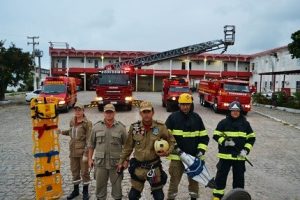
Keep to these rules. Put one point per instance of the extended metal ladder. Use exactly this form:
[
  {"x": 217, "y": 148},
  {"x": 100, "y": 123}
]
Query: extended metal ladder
[{"x": 229, "y": 38}]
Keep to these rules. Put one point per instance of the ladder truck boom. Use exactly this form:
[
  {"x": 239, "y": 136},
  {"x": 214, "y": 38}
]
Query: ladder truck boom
[{"x": 229, "y": 39}]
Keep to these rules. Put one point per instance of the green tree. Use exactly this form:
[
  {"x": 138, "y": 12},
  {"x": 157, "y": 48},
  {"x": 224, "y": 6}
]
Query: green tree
[
  {"x": 15, "y": 66},
  {"x": 294, "y": 47}
]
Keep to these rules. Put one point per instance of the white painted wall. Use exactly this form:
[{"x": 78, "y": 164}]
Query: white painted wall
[{"x": 268, "y": 63}]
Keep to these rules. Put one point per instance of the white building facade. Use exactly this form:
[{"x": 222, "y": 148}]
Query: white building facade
[{"x": 275, "y": 69}]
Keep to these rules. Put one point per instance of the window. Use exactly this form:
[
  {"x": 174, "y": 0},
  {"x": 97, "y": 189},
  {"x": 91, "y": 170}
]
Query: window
[
  {"x": 54, "y": 89},
  {"x": 236, "y": 87},
  {"x": 96, "y": 63},
  {"x": 183, "y": 65},
  {"x": 179, "y": 89},
  {"x": 190, "y": 65},
  {"x": 225, "y": 67},
  {"x": 252, "y": 66},
  {"x": 266, "y": 84},
  {"x": 82, "y": 60},
  {"x": 114, "y": 79},
  {"x": 63, "y": 63},
  {"x": 297, "y": 86}
]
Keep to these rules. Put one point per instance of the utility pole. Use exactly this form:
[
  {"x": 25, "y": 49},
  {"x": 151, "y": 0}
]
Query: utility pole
[
  {"x": 38, "y": 53},
  {"x": 33, "y": 38}
]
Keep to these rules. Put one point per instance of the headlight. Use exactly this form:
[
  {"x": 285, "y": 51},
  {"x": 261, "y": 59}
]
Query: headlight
[
  {"x": 99, "y": 98},
  {"x": 128, "y": 98},
  {"x": 247, "y": 106},
  {"x": 173, "y": 98},
  {"x": 61, "y": 102},
  {"x": 226, "y": 104}
]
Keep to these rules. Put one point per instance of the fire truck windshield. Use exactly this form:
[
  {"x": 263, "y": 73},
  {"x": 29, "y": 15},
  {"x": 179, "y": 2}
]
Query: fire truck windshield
[
  {"x": 236, "y": 88},
  {"x": 54, "y": 89},
  {"x": 179, "y": 89},
  {"x": 114, "y": 79}
]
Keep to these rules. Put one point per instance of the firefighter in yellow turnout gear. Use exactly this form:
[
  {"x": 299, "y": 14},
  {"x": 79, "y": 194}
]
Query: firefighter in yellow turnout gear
[
  {"x": 191, "y": 137},
  {"x": 146, "y": 163},
  {"x": 235, "y": 139}
]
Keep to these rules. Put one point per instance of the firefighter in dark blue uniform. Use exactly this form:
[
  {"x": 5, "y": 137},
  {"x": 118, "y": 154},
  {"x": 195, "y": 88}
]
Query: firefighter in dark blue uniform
[
  {"x": 191, "y": 137},
  {"x": 235, "y": 139}
]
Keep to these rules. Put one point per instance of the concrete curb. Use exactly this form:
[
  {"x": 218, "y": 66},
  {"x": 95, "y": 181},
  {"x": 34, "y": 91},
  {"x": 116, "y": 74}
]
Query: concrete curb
[
  {"x": 278, "y": 120},
  {"x": 290, "y": 110}
]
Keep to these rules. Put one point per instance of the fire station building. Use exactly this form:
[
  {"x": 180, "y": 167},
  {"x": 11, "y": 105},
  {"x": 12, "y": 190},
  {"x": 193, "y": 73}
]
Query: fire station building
[{"x": 262, "y": 69}]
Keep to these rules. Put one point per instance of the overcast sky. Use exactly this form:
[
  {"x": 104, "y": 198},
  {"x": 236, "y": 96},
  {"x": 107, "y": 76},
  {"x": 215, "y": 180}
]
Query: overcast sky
[{"x": 152, "y": 25}]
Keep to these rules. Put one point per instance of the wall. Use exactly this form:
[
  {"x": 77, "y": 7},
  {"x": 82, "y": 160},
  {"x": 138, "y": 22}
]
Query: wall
[{"x": 268, "y": 63}]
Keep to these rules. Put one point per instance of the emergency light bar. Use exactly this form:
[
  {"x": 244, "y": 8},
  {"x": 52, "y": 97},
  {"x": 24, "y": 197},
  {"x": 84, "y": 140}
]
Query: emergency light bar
[{"x": 112, "y": 72}]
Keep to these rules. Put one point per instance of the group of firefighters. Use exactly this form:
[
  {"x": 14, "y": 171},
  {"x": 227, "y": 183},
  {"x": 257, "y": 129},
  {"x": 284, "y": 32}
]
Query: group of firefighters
[{"x": 112, "y": 147}]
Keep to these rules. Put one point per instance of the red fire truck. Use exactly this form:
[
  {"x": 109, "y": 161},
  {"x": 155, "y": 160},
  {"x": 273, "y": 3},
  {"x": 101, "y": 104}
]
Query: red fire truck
[
  {"x": 63, "y": 88},
  {"x": 115, "y": 87},
  {"x": 172, "y": 88},
  {"x": 220, "y": 93}
]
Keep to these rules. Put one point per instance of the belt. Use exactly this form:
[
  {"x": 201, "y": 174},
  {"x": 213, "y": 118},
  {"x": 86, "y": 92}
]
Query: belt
[{"x": 149, "y": 163}]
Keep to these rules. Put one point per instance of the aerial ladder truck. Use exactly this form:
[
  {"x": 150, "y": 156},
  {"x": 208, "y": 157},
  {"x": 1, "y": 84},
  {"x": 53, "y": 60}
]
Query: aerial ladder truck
[{"x": 114, "y": 85}]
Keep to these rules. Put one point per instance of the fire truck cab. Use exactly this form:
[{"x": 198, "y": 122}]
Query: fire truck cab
[
  {"x": 172, "y": 88},
  {"x": 114, "y": 86},
  {"x": 220, "y": 93},
  {"x": 63, "y": 88}
]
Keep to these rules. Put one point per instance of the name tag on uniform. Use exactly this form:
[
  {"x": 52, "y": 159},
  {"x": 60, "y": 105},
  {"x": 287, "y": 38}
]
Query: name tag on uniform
[{"x": 155, "y": 131}]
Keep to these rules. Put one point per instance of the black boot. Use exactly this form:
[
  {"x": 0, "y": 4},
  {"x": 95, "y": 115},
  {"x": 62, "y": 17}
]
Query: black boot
[
  {"x": 85, "y": 192},
  {"x": 74, "y": 193},
  {"x": 134, "y": 194},
  {"x": 158, "y": 194}
]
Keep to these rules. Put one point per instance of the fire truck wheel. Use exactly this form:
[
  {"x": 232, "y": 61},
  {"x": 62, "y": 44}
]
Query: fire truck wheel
[
  {"x": 205, "y": 104},
  {"x": 67, "y": 109},
  {"x": 201, "y": 99},
  {"x": 215, "y": 106}
]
